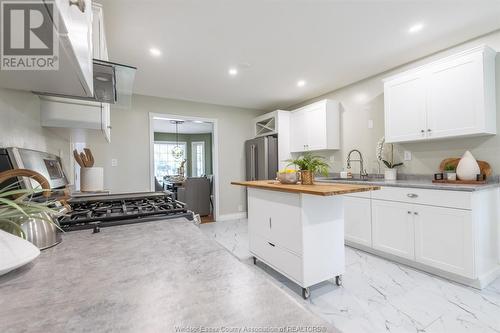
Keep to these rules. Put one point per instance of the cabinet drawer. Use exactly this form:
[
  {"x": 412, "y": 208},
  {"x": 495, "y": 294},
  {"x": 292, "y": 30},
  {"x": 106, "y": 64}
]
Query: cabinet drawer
[
  {"x": 442, "y": 198},
  {"x": 279, "y": 258}
]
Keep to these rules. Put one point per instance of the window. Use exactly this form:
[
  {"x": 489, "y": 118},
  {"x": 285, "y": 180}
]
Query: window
[
  {"x": 198, "y": 158},
  {"x": 165, "y": 163}
]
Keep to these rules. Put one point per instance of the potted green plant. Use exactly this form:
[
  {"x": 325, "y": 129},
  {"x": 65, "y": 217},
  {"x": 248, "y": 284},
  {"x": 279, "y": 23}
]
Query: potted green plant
[
  {"x": 391, "y": 173},
  {"x": 16, "y": 211},
  {"x": 450, "y": 171},
  {"x": 309, "y": 165}
]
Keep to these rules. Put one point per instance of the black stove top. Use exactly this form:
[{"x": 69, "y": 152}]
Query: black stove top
[{"x": 108, "y": 210}]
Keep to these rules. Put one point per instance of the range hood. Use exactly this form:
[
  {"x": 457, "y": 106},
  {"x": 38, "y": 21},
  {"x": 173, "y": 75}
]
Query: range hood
[{"x": 113, "y": 84}]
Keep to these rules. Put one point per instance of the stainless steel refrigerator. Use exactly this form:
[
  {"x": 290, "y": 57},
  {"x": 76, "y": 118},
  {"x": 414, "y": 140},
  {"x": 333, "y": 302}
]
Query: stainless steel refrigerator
[{"x": 261, "y": 158}]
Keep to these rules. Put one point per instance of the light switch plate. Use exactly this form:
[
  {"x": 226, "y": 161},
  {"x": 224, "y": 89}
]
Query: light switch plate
[
  {"x": 370, "y": 123},
  {"x": 332, "y": 159},
  {"x": 407, "y": 155},
  {"x": 114, "y": 162}
]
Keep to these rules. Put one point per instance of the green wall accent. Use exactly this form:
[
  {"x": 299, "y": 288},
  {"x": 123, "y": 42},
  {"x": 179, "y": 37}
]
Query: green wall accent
[{"x": 188, "y": 139}]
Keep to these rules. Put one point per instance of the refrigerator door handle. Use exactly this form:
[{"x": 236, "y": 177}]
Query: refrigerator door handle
[{"x": 252, "y": 162}]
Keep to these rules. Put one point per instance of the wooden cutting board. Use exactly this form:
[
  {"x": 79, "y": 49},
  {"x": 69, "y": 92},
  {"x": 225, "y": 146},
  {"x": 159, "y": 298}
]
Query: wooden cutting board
[{"x": 483, "y": 166}]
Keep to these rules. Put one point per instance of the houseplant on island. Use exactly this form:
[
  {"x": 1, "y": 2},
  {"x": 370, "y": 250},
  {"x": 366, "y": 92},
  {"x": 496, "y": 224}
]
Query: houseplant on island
[
  {"x": 391, "y": 173},
  {"x": 309, "y": 165}
]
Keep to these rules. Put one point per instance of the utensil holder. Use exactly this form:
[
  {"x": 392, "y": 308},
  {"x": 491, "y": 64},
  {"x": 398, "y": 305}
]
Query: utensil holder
[{"x": 92, "y": 179}]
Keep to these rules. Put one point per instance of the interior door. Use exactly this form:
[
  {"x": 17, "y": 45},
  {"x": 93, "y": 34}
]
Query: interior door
[
  {"x": 405, "y": 110},
  {"x": 444, "y": 239},
  {"x": 393, "y": 229},
  {"x": 454, "y": 100}
]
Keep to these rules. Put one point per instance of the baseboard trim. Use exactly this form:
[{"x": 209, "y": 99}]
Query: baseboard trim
[
  {"x": 478, "y": 283},
  {"x": 234, "y": 216}
]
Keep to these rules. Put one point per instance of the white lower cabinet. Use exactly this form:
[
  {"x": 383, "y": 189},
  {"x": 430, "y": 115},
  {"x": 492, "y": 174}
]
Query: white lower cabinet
[
  {"x": 393, "y": 230},
  {"x": 358, "y": 220},
  {"x": 449, "y": 233},
  {"x": 444, "y": 239}
]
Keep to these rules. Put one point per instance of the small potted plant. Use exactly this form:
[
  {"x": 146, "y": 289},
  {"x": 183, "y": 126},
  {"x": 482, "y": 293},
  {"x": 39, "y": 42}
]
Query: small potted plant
[
  {"x": 391, "y": 173},
  {"x": 450, "y": 171},
  {"x": 309, "y": 165}
]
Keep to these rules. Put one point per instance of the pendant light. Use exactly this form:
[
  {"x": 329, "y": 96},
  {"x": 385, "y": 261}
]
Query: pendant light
[{"x": 177, "y": 151}]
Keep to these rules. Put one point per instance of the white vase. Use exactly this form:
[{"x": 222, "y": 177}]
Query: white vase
[
  {"x": 468, "y": 168},
  {"x": 391, "y": 174}
]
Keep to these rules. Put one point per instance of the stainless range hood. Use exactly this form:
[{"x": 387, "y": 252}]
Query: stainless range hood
[{"x": 113, "y": 83}]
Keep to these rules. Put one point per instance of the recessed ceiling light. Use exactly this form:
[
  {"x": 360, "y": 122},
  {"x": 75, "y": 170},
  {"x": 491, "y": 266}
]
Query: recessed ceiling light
[
  {"x": 301, "y": 83},
  {"x": 198, "y": 121},
  {"x": 415, "y": 28},
  {"x": 155, "y": 52},
  {"x": 233, "y": 71}
]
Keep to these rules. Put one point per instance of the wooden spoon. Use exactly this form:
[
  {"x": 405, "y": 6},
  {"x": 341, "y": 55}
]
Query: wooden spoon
[
  {"x": 78, "y": 158},
  {"x": 90, "y": 157}
]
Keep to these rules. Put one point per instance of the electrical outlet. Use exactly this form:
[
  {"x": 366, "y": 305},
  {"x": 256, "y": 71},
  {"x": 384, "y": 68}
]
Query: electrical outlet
[
  {"x": 370, "y": 123},
  {"x": 332, "y": 159},
  {"x": 407, "y": 156},
  {"x": 114, "y": 162}
]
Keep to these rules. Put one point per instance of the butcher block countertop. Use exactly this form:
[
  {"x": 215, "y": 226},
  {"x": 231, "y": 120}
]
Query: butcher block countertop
[{"x": 316, "y": 189}]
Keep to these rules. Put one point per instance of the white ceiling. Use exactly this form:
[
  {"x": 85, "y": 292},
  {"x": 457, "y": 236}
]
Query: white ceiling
[
  {"x": 164, "y": 125},
  {"x": 329, "y": 44}
]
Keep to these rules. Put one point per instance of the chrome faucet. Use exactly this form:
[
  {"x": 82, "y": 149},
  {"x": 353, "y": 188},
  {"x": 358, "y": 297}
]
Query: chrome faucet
[{"x": 362, "y": 171}]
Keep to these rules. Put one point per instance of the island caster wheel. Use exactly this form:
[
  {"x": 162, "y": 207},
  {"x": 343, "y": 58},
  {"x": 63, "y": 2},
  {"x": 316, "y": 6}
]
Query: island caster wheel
[
  {"x": 305, "y": 293},
  {"x": 254, "y": 260},
  {"x": 338, "y": 280}
]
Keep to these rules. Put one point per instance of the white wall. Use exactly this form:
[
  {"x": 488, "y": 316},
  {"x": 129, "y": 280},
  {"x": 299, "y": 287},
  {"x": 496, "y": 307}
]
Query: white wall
[
  {"x": 130, "y": 145},
  {"x": 364, "y": 100},
  {"x": 20, "y": 125}
]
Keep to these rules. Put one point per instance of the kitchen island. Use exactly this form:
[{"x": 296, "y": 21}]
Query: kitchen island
[
  {"x": 299, "y": 229},
  {"x": 159, "y": 276}
]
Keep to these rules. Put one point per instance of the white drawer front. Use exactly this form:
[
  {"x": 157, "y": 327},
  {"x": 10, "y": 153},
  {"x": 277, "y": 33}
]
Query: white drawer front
[
  {"x": 284, "y": 261},
  {"x": 441, "y": 198}
]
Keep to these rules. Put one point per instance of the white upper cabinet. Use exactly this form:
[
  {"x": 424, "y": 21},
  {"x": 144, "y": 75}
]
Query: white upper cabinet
[
  {"x": 99, "y": 46},
  {"x": 75, "y": 74},
  {"x": 82, "y": 118},
  {"x": 406, "y": 94},
  {"x": 316, "y": 127},
  {"x": 451, "y": 97}
]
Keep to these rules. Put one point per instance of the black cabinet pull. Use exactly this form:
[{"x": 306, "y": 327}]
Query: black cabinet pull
[{"x": 271, "y": 244}]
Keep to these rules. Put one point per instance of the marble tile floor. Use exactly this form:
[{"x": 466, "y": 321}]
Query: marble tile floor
[{"x": 379, "y": 295}]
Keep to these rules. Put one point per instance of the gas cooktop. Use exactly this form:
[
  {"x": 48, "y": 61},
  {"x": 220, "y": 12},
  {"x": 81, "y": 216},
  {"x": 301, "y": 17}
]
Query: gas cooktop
[{"x": 109, "y": 210}]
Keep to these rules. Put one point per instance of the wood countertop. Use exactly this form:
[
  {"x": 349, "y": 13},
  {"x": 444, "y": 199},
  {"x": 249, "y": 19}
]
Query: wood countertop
[{"x": 316, "y": 189}]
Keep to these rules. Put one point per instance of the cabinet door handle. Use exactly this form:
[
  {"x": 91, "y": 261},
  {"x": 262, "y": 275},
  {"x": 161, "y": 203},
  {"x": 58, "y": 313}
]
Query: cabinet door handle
[
  {"x": 415, "y": 213},
  {"x": 79, "y": 3},
  {"x": 271, "y": 244},
  {"x": 422, "y": 131},
  {"x": 412, "y": 195},
  {"x": 409, "y": 212},
  {"x": 429, "y": 130},
  {"x": 270, "y": 223}
]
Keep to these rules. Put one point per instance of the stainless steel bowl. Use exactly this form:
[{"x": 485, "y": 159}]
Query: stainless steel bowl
[
  {"x": 287, "y": 177},
  {"x": 42, "y": 230}
]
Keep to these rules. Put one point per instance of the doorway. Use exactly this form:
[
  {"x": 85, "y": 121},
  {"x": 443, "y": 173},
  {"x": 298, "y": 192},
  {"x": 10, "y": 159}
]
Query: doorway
[{"x": 183, "y": 159}]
